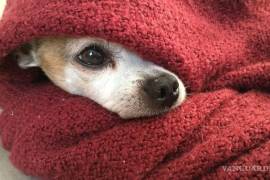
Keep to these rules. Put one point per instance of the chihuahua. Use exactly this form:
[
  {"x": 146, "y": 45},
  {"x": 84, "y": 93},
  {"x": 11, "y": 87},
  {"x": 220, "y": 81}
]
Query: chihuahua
[{"x": 105, "y": 72}]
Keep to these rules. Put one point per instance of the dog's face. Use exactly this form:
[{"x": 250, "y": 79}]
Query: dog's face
[{"x": 107, "y": 73}]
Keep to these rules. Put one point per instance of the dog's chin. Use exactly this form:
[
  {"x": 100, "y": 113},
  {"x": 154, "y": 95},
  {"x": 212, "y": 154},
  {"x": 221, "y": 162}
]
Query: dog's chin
[
  {"x": 144, "y": 110},
  {"x": 130, "y": 107},
  {"x": 141, "y": 114}
]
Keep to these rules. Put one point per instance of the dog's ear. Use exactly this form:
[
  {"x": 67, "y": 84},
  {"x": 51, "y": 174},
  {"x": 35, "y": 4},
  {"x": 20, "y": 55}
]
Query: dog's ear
[{"x": 26, "y": 56}]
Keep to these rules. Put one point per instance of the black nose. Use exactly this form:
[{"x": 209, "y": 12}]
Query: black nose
[{"x": 163, "y": 89}]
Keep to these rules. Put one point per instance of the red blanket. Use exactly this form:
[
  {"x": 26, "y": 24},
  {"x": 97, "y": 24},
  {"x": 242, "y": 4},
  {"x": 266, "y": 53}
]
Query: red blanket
[{"x": 219, "y": 48}]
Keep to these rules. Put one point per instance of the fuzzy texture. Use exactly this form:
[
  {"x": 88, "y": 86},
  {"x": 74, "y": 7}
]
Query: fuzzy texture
[{"x": 219, "y": 48}]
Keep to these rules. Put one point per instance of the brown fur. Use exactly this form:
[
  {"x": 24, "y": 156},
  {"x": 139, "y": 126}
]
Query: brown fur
[{"x": 51, "y": 55}]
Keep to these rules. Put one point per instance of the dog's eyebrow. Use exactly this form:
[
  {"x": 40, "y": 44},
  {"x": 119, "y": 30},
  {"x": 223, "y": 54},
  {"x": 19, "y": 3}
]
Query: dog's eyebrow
[{"x": 75, "y": 46}]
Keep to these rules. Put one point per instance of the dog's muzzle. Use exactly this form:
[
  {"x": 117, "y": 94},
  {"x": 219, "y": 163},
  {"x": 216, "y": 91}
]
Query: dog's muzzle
[{"x": 162, "y": 90}]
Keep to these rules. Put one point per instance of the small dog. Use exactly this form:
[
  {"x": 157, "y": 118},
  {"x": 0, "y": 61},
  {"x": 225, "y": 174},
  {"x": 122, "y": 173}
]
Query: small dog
[{"x": 106, "y": 72}]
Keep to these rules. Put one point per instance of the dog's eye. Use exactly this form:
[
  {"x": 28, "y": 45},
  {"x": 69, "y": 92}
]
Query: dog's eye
[{"x": 93, "y": 56}]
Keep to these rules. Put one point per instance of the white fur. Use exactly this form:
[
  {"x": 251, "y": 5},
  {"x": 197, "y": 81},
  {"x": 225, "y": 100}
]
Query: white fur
[{"x": 27, "y": 61}]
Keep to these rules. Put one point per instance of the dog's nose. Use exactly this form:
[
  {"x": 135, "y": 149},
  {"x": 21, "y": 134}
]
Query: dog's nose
[{"x": 163, "y": 89}]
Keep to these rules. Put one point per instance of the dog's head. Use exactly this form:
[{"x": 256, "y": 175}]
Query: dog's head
[{"x": 107, "y": 73}]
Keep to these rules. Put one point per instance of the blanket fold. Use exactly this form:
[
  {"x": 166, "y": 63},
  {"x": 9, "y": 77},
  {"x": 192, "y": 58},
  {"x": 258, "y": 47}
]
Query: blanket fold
[{"x": 220, "y": 49}]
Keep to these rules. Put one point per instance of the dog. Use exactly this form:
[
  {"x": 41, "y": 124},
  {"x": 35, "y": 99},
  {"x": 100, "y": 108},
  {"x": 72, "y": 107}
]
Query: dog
[{"x": 105, "y": 72}]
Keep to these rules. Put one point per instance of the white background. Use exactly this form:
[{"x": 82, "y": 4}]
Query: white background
[{"x": 2, "y": 6}]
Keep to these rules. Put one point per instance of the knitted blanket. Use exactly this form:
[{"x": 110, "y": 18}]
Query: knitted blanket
[{"x": 219, "y": 48}]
